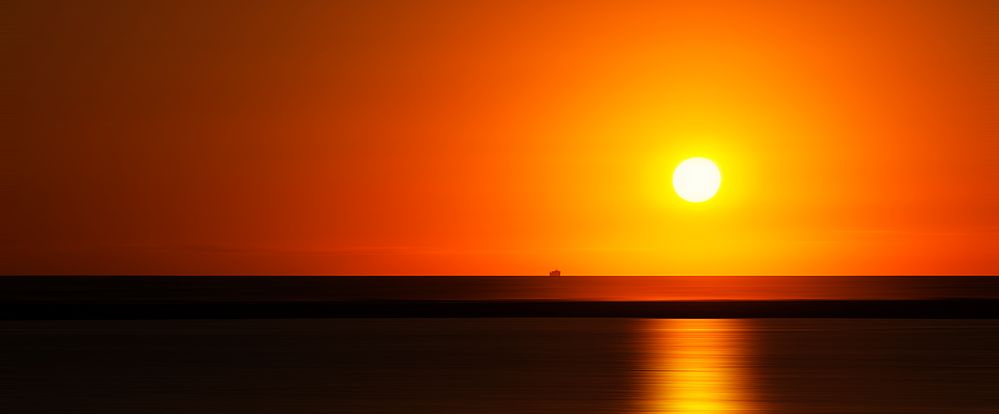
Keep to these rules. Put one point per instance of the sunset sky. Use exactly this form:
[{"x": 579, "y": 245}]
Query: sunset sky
[{"x": 464, "y": 137}]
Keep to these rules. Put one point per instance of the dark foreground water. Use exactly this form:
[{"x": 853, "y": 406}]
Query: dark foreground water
[{"x": 500, "y": 366}]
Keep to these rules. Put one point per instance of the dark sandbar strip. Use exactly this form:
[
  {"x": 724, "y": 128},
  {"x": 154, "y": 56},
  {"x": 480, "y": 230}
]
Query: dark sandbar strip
[{"x": 947, "y": 309}]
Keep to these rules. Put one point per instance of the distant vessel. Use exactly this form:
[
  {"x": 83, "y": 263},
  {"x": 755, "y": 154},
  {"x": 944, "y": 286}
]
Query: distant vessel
[{"x": 555, "y": 272}]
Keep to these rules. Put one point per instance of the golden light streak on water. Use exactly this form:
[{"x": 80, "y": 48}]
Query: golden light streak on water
[{"x": 698, "y": 366}]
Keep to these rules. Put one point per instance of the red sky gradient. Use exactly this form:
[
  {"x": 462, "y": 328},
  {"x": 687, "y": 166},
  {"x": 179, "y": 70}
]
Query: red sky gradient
[{"x": 514, "y": 137}]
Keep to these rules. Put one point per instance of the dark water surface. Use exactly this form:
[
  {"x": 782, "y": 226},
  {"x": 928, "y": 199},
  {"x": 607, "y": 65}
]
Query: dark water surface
[{"x": 501, "y": 366}]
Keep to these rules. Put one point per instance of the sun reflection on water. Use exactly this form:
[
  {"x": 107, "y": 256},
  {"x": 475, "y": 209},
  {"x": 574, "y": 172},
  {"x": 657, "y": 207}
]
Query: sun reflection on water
[{"x": 698, "y": 366}]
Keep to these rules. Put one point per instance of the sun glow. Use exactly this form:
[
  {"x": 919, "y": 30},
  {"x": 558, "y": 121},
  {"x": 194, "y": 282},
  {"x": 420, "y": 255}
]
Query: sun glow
[{"x": 696, "y": 179}]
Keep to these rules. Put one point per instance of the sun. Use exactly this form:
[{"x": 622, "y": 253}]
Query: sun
[{"x": 696, "y": 179}]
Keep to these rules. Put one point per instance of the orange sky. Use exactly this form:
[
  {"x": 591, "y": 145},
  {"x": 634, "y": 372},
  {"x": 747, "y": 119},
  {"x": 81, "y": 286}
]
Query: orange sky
[{"x": 513, "y": 137}]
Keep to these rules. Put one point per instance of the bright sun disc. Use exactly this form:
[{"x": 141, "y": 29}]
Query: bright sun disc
[{"x": 696, "y": 179}]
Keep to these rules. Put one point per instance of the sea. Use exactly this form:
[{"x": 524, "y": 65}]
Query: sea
[{"x": 496, "y": 365}]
